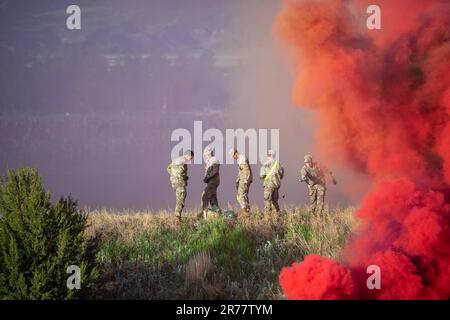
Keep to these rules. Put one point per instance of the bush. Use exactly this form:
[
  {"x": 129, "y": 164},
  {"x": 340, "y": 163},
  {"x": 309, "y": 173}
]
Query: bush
[{"x": 39, "y": 241}]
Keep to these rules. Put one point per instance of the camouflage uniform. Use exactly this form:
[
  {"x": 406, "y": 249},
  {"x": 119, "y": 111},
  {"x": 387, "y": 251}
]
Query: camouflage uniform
[
  {"x": 315, "y": 179},
  {"x": 272, "y": 182},
  {"x": 243, "y": 181},
  {"x": 177, "y": 170},
  {"x": 212, "y": 180}
]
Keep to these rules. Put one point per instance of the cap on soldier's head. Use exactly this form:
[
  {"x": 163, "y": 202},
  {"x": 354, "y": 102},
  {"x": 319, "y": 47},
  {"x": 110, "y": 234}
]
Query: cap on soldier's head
[
  {"x": 189, "y": 153},
  {"x": 308, "y": 158},
  {"x": 270, "y": 153}
]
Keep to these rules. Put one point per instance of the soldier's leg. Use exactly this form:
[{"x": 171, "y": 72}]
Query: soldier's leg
[
  {"x": 275, "y": 197},
  {"x": 239, "y": 196},
  {"x": 213, "y": 197},
  {"x": 209, "y": 198},
  {"x": 242, "y": 196},
  {"x": 246, "y": 201},
  {"x": 205, "y": 198},
  {"x": 313, "y": 198},
  {"x": 180, "y": 193},
  {"x": 320, "y": 199},
  {"x": 268, "y": 199}
]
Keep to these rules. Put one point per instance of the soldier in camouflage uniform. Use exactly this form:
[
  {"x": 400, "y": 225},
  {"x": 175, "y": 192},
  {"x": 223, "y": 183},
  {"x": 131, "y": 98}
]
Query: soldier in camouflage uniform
[
  {"x": 314, "y": 176},
  {"x": 177, "y": 170},
  {"x": 243, "y": 181},
  {"x": 212, "y": 180},
  {"x": 272, "y": 173}
]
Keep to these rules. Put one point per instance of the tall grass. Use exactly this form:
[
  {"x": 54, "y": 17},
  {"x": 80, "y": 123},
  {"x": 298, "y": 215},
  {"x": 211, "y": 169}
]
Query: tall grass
[{"x": 153, "y": 256}]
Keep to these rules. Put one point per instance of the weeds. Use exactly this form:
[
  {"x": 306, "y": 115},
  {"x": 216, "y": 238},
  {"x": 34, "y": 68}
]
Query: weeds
[{"x": 153, "y": 256}]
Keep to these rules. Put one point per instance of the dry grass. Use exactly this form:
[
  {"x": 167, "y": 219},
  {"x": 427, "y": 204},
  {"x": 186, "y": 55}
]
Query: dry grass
[
  {"x": 197, "y": 268},
  {"x": 152, "y": 255}
]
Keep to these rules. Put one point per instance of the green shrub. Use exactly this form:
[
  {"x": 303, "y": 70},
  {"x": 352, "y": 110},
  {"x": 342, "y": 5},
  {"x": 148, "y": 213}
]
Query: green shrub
[{"x": 39, "y": 241}]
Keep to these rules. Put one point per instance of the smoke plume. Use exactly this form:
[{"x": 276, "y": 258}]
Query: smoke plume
[{"x": 383, "y": 100}]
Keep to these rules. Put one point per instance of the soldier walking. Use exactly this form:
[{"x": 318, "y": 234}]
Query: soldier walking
[
  {"x": 314, "y": 176},
  {"x": 177, "y": 170},
  {"x": 212, "y": 180},
  {"x": 243, "y": 181},
  {"x": 272, "y": 173}
]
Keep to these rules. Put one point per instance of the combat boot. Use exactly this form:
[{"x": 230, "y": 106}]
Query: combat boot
[{"x": 245, "y": 212}]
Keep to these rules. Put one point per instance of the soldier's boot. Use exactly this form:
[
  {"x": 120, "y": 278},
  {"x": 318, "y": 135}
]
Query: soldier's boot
[
  {"x": 200, "y": 215},
  {"x": 267, "y": 208},
  {"x": 276, "y": 209},
  {"x": 245, "y": 212},
  {"x": 178, "y": 215}
]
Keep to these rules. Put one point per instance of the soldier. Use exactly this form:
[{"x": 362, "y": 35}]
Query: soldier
[
  {"x": 177, "y": 170},
  {"x": 243, "y": 181},
  {"x": 272, "y": 172},
  {"x": 314, "y": 176},
  {"x": 212, "y": 180}
]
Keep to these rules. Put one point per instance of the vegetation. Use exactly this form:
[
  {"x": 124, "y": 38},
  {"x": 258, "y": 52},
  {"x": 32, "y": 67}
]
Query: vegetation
[
  {"x": 147, "y": 255},
  {"x": 153, "y": 256},
  {"x": 39, "y": 241}
]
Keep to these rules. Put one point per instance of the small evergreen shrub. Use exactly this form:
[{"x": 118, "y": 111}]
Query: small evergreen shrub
[{"x": 40, "y": 240}]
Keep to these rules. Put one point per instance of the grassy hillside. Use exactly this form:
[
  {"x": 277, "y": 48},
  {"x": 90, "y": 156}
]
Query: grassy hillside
[{"x": 147, "y": 255}]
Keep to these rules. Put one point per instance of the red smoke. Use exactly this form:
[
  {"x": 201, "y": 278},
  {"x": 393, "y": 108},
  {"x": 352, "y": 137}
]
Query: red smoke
[{"x": 382, "y": 99}]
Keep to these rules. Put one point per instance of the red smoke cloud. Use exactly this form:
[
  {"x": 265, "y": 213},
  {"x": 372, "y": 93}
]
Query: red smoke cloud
[{"x": 383, "y": 104}]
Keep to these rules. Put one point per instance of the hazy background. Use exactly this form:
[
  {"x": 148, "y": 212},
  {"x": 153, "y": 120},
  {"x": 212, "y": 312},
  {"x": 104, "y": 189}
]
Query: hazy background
[{"x": 94, "y": 109}]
